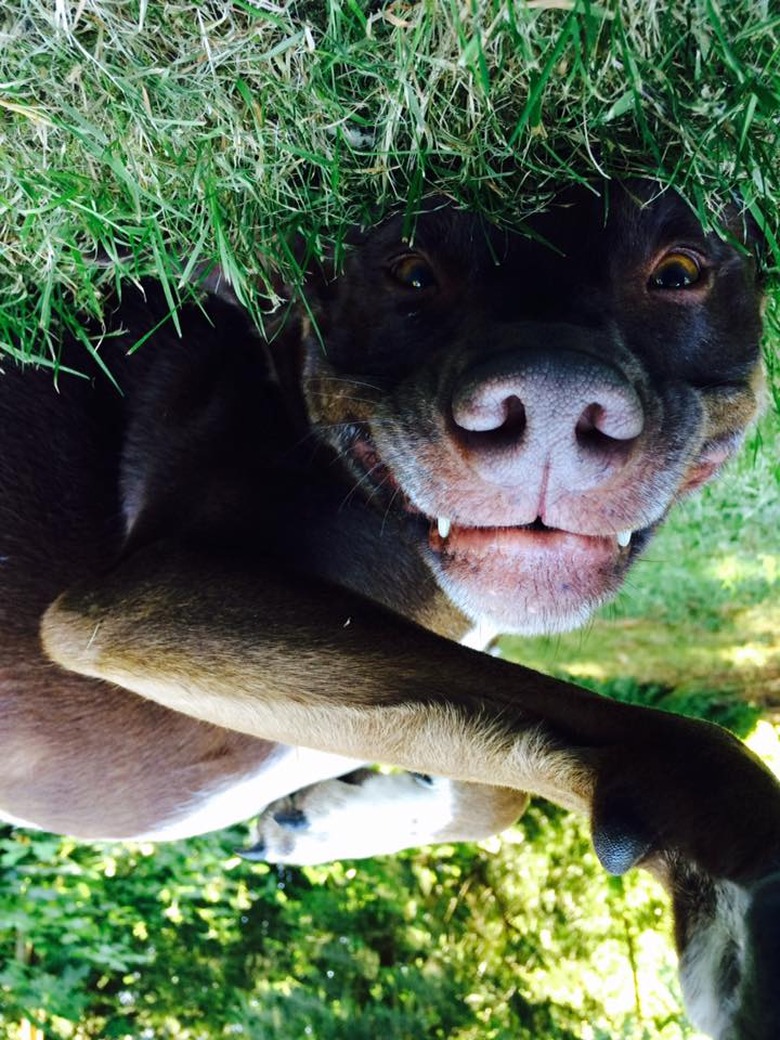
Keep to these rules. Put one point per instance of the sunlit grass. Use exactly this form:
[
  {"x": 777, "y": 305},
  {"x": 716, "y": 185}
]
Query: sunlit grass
[
  {"x": 604, "y": 953},
  {"x": 765, "y": 741}
]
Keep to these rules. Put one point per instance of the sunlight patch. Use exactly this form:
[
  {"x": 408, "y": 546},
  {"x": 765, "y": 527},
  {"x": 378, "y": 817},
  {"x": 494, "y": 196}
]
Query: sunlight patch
[
  {"x": 749, "y": 655},
  {"x": 765, "y": 742},
  {"x": 732, "y": 570}
]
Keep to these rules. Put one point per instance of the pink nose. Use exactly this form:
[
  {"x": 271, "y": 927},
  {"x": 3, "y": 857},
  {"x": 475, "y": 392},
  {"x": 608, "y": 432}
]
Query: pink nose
[{"x": 566, "y": 412}]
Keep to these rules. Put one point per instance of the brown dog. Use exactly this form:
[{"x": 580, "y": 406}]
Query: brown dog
[{"x": 272, "y": 537}]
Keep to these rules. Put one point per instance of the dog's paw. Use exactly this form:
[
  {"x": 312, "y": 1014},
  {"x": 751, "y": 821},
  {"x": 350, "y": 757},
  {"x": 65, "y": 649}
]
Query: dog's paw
[
  {"x": 689, "y": 793},
  {"x": 352, "y": 817},
  {"x": 620, "y": 837}
]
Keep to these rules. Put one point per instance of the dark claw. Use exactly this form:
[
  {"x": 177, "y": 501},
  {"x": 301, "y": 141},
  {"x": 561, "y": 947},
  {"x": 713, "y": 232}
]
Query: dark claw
[
  {"x": 292, "y": 819},
  {"x": 619, "y": 840},
  {"x": 356, "y": 777},
  {"x": 254, "y": 854}
]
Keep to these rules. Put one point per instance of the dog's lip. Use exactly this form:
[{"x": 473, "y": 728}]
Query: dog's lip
[
  {"x": 530, "y": 579},
  {"x": 450, "y": 539}
]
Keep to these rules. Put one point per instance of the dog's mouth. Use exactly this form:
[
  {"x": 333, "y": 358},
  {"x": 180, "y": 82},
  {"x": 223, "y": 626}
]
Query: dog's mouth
[
  {"x": 528, "y": 578},
  {"x": 446, "y": 537}
]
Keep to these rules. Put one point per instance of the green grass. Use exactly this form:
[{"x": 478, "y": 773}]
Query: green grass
[{"x": 165, "y": 135}]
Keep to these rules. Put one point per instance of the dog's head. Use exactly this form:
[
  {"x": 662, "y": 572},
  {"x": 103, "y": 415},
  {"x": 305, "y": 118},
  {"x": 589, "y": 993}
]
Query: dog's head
[{"x": 533, "y": 404}]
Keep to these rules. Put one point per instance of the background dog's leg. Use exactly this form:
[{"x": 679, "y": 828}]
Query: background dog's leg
[{"x": 368, "y": 813}]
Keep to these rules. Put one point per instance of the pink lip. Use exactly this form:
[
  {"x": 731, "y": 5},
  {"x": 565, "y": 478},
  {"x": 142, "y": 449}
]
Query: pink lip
[
  {"x": 513, "y": 540},
  {"x": 528, "y": 580}
]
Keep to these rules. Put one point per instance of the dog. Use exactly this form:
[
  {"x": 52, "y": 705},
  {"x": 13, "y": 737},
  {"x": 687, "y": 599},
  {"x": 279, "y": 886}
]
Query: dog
[{"x": 242, "y": 578}]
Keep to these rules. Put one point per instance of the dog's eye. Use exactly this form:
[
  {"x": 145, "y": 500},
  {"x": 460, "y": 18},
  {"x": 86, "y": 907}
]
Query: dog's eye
[
  {"x": 676, "y": 271},
  {"x": 413, "y": 272}
]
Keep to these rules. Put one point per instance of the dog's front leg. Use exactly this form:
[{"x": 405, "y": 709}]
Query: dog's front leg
[
  {"x": 262, "y": 651},
  {"x": 283, "y": 658}
]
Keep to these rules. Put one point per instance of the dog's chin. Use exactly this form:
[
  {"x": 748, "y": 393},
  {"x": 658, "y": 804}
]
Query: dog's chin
[{"x": 529, "y": 581}]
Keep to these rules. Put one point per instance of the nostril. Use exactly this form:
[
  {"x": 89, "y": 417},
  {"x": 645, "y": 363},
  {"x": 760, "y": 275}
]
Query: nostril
[
  {"x": 491, "y": 421},
  {"x": 514, "y": 419},
  {"x": 488, "y": 408},
  {"x": 619, "y": 417},
  {"x": 589, "y": 420}
]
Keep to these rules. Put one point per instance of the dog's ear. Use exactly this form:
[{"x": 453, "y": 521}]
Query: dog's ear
[
  {"x": 311, "y": 263},
  {"x": 306, "y": 267}
]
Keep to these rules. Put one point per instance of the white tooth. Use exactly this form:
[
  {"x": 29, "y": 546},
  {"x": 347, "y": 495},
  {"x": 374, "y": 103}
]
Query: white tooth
[
  {"x": 623, "y": 538},
  {"x": 443, "y": 525}
]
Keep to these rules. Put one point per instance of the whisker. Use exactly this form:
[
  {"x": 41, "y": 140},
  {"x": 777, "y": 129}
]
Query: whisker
[
  {"x": 389, "y": 508},
  {"x": 347, "y": 381},
  {"x": 365, "y": 478}
]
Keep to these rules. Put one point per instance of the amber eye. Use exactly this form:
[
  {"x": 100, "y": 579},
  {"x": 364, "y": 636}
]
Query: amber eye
[
  {"x": 413, "y": 272},
  {"x": 676, "y": 271}
]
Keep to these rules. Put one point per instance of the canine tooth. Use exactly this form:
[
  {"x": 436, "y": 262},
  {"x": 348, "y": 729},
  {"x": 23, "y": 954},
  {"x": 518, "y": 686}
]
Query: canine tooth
[
  {"x": 443, "y": 525},
  {"x": 623, "y": 538}
]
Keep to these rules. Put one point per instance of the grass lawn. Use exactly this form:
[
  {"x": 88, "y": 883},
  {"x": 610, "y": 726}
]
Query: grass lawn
[{"x": 161, "y": 136}]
